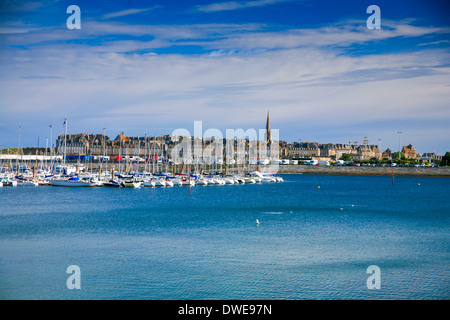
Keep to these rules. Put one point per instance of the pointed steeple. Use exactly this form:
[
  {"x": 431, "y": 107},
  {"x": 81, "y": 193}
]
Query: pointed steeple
[{"x": 268, "y": 132}]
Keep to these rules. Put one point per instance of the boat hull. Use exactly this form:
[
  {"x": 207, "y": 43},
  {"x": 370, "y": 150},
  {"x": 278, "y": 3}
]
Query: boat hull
[
  {"x": 65, "y": 183},
  {"x": 131, "y": 184},
  {"x": 111, "y": 185}
]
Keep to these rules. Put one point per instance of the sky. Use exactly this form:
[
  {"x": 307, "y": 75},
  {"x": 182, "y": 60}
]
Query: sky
[{"x": 150, "y": 67}]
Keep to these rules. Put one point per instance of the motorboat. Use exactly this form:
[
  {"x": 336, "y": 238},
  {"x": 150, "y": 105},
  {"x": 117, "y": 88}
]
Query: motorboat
[
  {"x": 149, "y": 183},
  {"x": 96, "y": 183},
  {"x": 228, "y": 180},
  {"x": 239, "y": 180},
  {"x": 187, "y": 182},
  {"x": 111, "y": 184},
  {"x": 177, "y": 182},
  {"x": 160, "y": 182},
  {"x": 264, "y": 178},
  {"x": 201, "y": 182},
  {"x": 131, "y": 184},
  {"x": 220, "y": 181},
  {"x": 27, "y": 183},
  {"x": 249, "y": 180}
]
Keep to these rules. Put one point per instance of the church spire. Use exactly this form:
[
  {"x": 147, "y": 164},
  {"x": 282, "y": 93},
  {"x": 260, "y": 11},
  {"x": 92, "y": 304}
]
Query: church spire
[{"x": 268, "y": 132}]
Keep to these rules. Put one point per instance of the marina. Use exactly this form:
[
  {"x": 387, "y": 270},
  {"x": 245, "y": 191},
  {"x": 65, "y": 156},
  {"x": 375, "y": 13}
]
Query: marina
[{"x": 35, "y": 178}]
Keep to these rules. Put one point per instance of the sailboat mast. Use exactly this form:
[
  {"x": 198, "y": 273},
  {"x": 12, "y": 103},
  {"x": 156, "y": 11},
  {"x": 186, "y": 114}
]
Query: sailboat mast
[
  {"x": 120, "y": 154},
  {"x": 65, "y": 141},
  {"x": 18, "y": 154}
]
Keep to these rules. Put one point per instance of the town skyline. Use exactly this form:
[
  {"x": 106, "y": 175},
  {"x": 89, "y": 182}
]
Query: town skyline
[
  {"x": 100, "y": 144},
  {"x": 288, "y": 145}
]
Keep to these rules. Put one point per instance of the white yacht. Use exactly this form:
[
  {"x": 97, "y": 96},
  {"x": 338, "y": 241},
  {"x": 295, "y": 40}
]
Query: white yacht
[
  {"x": 131, "y": 184},
  {"x": 71, "y": 182},
  {"x": 27, "y": 183},
  {"x": 228, "y": 180},
  {"x": 149, "y": 183},
  {"x": 249, "y": 180},
  {"x": 219, "y": 181},
  {"x": 201, "y": 181},
  {"x": 160, "y": 182},
  {"x": 264, "y": 178}
]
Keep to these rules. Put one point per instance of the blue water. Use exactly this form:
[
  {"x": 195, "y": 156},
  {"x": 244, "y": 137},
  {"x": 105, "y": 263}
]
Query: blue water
[{"x": 167, "y": 243}]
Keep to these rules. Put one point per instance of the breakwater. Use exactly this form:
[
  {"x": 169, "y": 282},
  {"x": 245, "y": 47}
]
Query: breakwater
[
  {"x": 369, "y": 171},
  {"x": 293, "y": 169}
]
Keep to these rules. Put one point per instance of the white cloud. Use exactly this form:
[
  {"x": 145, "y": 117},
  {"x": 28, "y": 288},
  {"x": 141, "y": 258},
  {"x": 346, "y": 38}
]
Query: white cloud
[
  {"x": 235, "y": 5},
  {"x": 127, "y": 12}
]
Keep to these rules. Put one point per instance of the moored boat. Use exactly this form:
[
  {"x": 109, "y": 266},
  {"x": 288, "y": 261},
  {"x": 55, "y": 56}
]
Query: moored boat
[
  {"x": 71, "y": 182},
  {"x": 131, "y": 184},
  {"x": 149, "y": 183},
  {"x": 111, "y": 184},
  {"x": 26, "y": 183}
]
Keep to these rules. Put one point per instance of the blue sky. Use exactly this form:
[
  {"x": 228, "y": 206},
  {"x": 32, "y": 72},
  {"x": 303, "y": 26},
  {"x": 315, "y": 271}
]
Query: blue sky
[{"x": 149, "y": 67}]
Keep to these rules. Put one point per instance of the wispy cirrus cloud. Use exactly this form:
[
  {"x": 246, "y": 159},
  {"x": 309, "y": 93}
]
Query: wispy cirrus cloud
[
  {"x": 128, "y": 12},
  {"x": 15, "y": 6},
  {"x": 235, "y": 5}
]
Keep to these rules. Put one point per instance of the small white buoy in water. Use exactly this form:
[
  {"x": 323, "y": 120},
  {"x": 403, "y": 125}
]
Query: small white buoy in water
[
  {"x": 418, "y": 184},
  {"x": 290, "y": 211},
  {"x": 353, "y": 205},
  {"x": 257, "y": 221},
  {"x": 341, "y": 208}
]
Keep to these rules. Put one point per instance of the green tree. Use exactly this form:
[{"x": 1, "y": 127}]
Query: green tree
[
  {"x": 445, "y": 159},
  {"x": 345, "y": 157},
  {"x": 395, "y": 156}
]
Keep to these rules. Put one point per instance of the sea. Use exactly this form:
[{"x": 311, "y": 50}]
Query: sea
[{"x": 324, "y": 237}]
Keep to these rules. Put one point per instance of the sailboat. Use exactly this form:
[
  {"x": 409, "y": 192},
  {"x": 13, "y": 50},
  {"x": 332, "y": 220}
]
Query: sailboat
[
  {"x": 201, "y": 181},
  {"x": 160, "y": 182},
  {"x": 264, "y": 178},
  {"x": 149, "y": 183},
  {"x": 27, "y": 183},
  {"x": 71, "y": 182},
  {"x": 131, "y": 184},
  {"x": 112, "y": 184},
  {"x": 169, "y": 182}
]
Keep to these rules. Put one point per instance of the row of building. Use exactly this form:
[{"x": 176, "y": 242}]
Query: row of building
[
  {"x": 101, "y": 145},
  {"x": 98, "y": 145}
]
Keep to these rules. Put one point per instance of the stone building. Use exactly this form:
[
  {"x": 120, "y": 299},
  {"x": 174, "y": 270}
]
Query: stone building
[
  {"x": 303, "y": 150},
  {"x": 369, "y": 151},
  {"x": 356, "y": 152},
  {"x": 410, "y": 152},
  {"x": 81, "y": 144},
  {"x": 387, "y": 154}
]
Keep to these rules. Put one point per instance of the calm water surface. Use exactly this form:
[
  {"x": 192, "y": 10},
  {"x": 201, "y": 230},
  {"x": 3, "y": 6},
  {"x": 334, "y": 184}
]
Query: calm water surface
[{"x": 167, "y": 243}]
